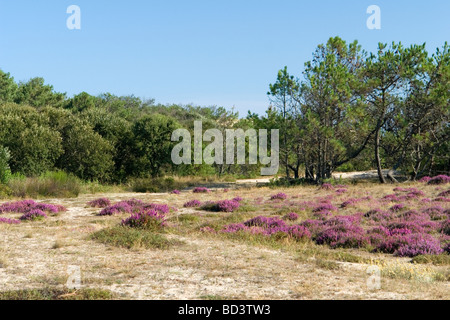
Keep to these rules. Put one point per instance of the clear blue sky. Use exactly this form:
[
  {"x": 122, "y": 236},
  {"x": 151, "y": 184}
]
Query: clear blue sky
[{"x": 212, "y": 52}]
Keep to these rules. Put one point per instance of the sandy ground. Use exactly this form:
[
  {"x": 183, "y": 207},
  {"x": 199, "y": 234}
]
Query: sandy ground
[{"x": 43, "y": 254}]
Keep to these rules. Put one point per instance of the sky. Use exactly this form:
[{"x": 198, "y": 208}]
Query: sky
[{"x": 214, "y": 52}]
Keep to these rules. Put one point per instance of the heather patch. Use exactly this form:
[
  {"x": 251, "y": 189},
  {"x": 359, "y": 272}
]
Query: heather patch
[
  {"x": 33, "y": 215},
  {"x": 279, "y": 196},
  {"x": 192, "y": 204},
  {"x": 441, "y": 179},
  {"x": 133, "y": 206},
  {"x": 201, "y": 190},
  {"x": 9, "y": 221},
  {"x": 99, "y": 203}
]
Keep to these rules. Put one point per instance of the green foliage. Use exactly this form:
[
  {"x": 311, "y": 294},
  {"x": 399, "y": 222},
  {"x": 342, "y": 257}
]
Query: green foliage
[
  {"x": 153, "y": 143},
  {"x": 350, "y": 111},
  {"x": 5, "y": 171},
  {"x": 8, "y": 88},
  {"x": 35, "y": 93}
]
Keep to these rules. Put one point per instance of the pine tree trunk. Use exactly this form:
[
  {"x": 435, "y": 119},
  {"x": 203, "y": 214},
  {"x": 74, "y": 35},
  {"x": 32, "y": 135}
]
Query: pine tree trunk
[{"x": 377, "y": 157}]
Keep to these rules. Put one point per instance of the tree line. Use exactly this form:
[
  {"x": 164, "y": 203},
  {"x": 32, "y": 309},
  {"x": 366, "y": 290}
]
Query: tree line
[
  {"x": 350, "y": 110},
  {"x": 357, "y": 110}
]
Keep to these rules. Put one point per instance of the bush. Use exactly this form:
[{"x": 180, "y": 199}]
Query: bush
[
  {"x": 222, "y": 206},
  {"x": 99, "y": 203},
  {"x": 192, "y": 204},
  {"x": 148, "y": 220},
  {"x": 442, "y": 179},
  {"x": 5, "y": 171},
  {"x": 201, "y": 190}
]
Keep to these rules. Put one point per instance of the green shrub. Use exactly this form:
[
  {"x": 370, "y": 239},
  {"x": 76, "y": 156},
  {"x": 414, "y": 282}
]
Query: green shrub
[{"x": 5, "y": 171}]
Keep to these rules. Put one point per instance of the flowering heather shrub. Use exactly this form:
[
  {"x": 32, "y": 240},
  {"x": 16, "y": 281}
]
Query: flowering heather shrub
[
  {"x": 149, "y": 220},
  {"x": 175, "y": 192},
  {"x": 192, "y": 204},
  {"x": 265, "y": 222},
  {"x": 397, "y": 207},
  {"x": 201, "y": 190},
  {"x": 160, "y": 208},
  {"x": 341, "y": 191},
  {"x": 234, "y": 227},
  {"x": 133, "y": 206},
  {"x": 314, "y": 226},
  {"x": 350, "y": 202},
  {"x": 343, "y": 236},
  {"x": 419, "y": 244},
  {"x": 372, "y": 213},
  {"x": 279, "y": 196},
  {"x": 391, "y": 197},
  {"x": 326, "y": 186},
  {"x": 33, "y": 215},
  {"x": 325, "y": 207},
  {"x": 343, "y": 220},
  {"x": 425, "y": 179},
  {"x": 442, "y": 199},
  {"x": 133, "y": 202},
  {"x": 227, "y": 205},
  {"x": 99, "y": 203},
  {"x": 390, "y": 244},
  {"x": 269, "y": 227},
  {"x": 445, "y": 227},
  {"x": 292, "y": 216},
  {"x": 425, "y": 200},
  {"x": 118, "y": 208},
  {"x": 26, "y": 206},
  {"x": 379, "y": 216},
  {"x": 226, "y": 190},
  {"x": 238, "y": 199},
  {"x": 441, "y": 179},
  {"x": 9, "y": 221},
  {"x": 322, "y": 215},
  {"x": 447, "y": 248},
  {"x": 297, "y": 232},
  {"x": 221, "y": 206},
  {"x": 435, "y": 213},
  {"x": 409, "y": 190},
  {"x": 417, "y": 226},
  {"x": 444, "y": 193},
  {"x": 412, "y": 215}
]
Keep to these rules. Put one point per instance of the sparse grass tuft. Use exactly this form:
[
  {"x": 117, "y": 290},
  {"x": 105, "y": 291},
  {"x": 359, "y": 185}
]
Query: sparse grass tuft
[
  {"x": 51, "y": 184},
  {"x": 57, "y": 294},
  {"x": 132, "y": 238},
  {"x": 437, "y": 260},
  {"x": 327, "y": 264}
]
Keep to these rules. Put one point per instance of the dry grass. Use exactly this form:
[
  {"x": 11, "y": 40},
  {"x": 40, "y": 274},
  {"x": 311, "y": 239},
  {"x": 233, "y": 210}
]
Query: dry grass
[{"x": 206, "y": 266}]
